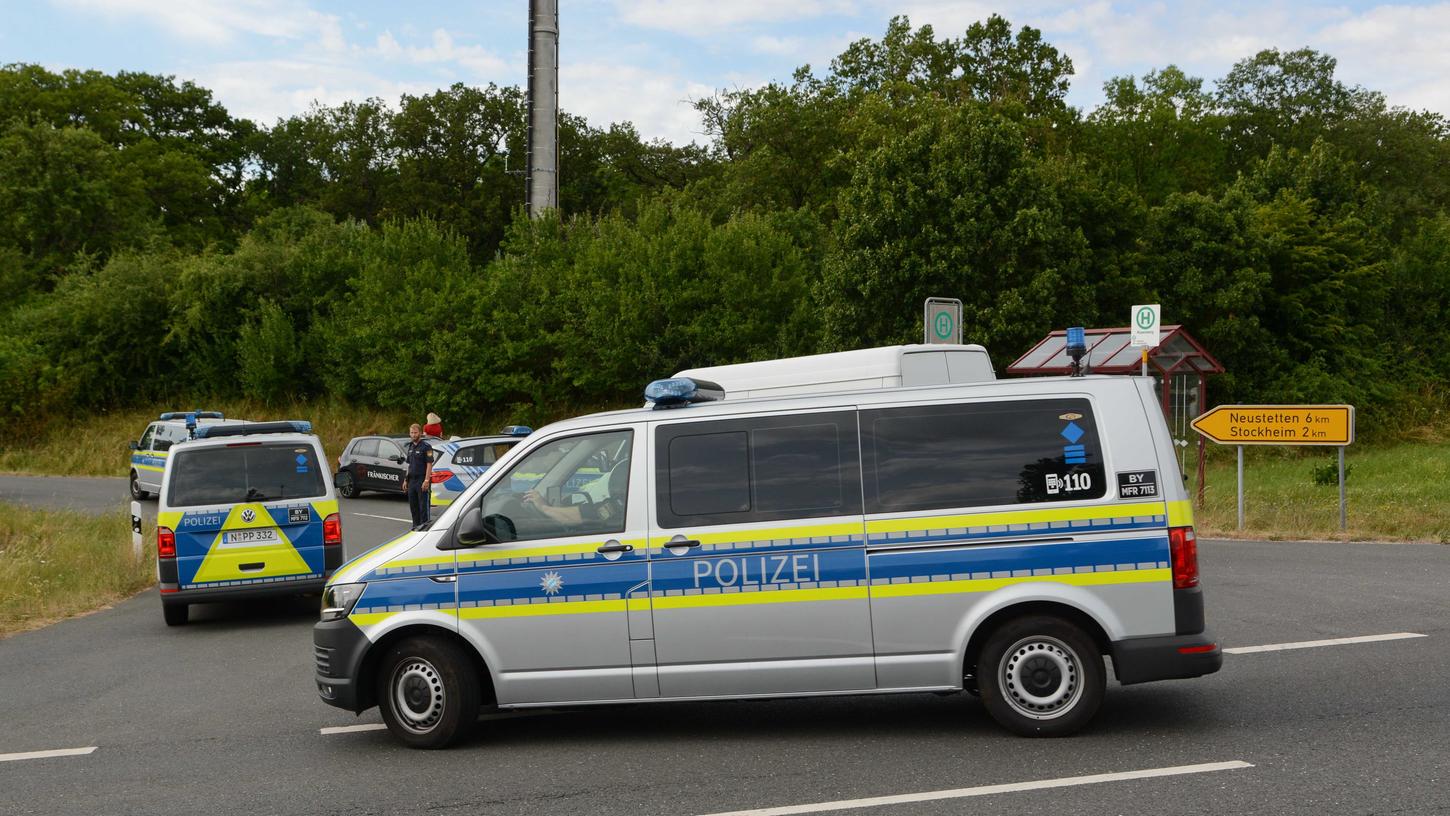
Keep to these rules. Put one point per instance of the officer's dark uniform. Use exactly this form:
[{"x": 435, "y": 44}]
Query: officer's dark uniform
[{"x": 418, "y": 455}]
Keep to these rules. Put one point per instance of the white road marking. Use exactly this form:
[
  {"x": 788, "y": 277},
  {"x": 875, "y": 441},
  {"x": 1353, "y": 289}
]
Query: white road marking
[
  {"x": 1312, "y": 644},
  {"x": 389, "y": 518},
  {"x": 989, "y": 790},
  {"x": 61, "y": 752},
  {"x": 502, "y": 715},
  {"x": 353, "y": 729}
]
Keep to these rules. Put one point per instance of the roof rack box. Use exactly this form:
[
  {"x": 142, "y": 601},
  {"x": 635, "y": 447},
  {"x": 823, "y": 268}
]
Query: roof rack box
[{"x": 884, "y": 367}]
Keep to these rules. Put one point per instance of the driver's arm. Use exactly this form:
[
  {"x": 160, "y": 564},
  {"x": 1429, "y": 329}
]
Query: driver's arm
[{"x": 569, "y": 514}]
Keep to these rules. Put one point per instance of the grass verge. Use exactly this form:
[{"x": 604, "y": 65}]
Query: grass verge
[
  {"x": 57, "y": 563},
  {"x": 1394, "y": 492}
]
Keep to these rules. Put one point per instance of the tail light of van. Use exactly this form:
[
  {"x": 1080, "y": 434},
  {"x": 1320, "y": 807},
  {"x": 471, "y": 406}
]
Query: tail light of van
[
  {"x": 1183, "y": 546},
  {"x": 165, "y": 543},
  {"x": 332, "y": 530},
  {"x": 440, "y": 476}
]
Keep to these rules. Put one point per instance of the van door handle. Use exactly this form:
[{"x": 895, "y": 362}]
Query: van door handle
[
  {"x": 679, "y": 542},
  {"x": 613, "y": 546}
]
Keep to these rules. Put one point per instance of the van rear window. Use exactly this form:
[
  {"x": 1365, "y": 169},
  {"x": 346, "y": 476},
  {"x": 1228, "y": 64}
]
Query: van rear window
[
  {"x": 245, "y": 473},
  {"x": 979, "y": 454}
]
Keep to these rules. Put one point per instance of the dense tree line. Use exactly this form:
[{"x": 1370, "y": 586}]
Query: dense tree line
[{"x": 155, "y": 248}]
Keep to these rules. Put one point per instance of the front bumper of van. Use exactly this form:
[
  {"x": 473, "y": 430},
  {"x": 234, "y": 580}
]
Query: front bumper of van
[
  {"x": 1172, "y": 657},
  {"x": 338, "y": 647}
]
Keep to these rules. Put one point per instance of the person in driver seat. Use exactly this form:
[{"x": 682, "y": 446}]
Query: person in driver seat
[{"x": 601, "y": 516}]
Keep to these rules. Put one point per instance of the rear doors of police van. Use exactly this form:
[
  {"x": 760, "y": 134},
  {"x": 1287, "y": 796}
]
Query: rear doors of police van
[
  {"x": 247, "y": 513},
  {"x": 758, "y": 557}
]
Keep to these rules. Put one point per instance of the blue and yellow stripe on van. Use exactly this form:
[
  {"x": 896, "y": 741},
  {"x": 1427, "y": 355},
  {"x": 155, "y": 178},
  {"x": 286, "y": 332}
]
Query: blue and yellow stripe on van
[
  {"x": 150, "y": 461},
  {"x": 903, "y": 557}
]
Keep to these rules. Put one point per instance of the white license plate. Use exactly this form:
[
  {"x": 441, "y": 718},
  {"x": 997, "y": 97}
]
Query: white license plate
[{"x": 266, "y": 536}]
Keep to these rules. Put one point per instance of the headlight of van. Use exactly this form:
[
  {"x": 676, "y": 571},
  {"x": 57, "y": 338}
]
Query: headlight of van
[{"x": 337, "y": 600}]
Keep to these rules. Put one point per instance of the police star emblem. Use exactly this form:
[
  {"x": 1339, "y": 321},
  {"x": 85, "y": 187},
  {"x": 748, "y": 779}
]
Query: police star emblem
[{"x": 551, "y": 583}]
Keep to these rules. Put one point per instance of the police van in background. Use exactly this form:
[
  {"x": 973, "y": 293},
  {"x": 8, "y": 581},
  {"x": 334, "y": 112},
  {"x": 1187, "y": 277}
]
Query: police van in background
[
  {"x": 460, "y": 462},
  {"x": 994, "y": 537},
  {"x": 245, "y": 510},
  {"x": 148, "y": 454}
]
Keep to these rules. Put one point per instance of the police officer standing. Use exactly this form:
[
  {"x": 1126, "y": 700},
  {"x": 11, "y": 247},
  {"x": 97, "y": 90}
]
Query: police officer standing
[{"x": 419, "y": 457}]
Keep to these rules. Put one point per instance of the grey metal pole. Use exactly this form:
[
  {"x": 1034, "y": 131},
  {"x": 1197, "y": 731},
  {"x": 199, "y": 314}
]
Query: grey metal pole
[
  {"x": 1241, "y": 487},
  {"x": 542, "y": 192},
  {"x": 1343, "y": 516}
]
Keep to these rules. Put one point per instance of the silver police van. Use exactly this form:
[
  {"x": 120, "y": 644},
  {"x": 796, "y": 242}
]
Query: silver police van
[{"x": 997, "y": 537}]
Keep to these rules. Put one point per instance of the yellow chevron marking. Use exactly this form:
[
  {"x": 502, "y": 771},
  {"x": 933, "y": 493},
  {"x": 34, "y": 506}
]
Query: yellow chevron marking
[{"x": 223, "y": 562}]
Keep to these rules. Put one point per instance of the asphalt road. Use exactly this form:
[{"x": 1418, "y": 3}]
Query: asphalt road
[{"x": 221, "y": 716}]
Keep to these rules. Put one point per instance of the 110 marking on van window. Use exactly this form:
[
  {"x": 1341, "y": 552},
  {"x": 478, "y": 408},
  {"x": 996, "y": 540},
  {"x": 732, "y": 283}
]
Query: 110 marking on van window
[
  {"x": 759, "y": 570},
  {"x": 1070, "y": 483}
]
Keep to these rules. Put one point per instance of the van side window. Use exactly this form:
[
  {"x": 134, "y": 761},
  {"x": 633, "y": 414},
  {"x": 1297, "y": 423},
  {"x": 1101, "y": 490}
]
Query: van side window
[
  {"x": 760, "y": 469},
  {"x": 979, "y": 454},
  {"x": 145, "y": 443}
]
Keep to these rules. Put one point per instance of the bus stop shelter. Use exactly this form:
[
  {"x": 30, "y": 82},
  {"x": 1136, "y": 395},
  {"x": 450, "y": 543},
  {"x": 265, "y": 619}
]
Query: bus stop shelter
[{"x": 1179, "y": 365}]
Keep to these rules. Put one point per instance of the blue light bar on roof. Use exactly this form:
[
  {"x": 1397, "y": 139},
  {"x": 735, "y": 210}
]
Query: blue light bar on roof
[
  {"x": 681, "y": 391},
  {"x": 196, "y": 414},
  {"x": 516, "y": 430},
  {"x": 249, "y": 428}
]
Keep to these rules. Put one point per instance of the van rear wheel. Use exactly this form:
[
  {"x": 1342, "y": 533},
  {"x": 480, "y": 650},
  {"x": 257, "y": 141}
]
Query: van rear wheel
[
  {"x": 1041, "y": 676},
  {"x": 428, "y": 692},
  {"x": 175, "y": 614}
]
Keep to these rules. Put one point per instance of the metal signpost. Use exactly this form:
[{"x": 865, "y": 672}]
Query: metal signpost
[
  {"x": 1323, "y": 425},
  {"x": 1145, "y": 320},
  {"x": 943, "y": 321}
]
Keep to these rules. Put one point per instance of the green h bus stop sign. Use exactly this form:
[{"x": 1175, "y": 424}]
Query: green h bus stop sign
[{"x": 943, "y": 319}]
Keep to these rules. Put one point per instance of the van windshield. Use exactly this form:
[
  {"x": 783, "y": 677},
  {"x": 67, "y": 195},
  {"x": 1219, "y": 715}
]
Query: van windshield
[{"x": 247, "y": 472}]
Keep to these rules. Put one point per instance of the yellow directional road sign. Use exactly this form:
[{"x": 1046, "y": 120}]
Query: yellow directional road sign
[{"x": 1278, "y": 424}]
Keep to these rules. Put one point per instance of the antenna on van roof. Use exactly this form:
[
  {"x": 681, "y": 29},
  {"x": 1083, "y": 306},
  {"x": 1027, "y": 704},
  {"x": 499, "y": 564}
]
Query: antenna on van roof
[{"x": 1076, "y": 348}]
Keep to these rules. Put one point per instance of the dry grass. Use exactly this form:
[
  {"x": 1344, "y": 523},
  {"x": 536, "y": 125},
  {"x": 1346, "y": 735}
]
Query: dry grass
[
  {"x": 1395, "y": 492},
  {"x": 97, "y": 445},
  {"x": 55, "y": 564}
]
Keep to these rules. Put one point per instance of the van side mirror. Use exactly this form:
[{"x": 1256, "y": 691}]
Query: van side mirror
[
  {"x": 475, "y": 530},
  {"x": 135, "y": 445}
]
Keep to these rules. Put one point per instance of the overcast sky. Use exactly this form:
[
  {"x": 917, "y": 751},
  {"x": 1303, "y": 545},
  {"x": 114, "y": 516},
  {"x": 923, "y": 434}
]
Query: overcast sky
[{"x": 644, "y": 60}]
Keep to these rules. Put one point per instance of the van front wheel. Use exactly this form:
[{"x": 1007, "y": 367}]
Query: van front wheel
[
  {"x": 1041, "y": 676},
  {"x": 136, "y": 492},
  {"x": 428, "y": 692}
]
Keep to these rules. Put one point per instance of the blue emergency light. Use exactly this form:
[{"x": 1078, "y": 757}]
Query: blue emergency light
[
  {"x": 248, "y": 428},
  {"x": 516, "y": 430},
  {"x": 1076, "y": 348},
  {"x": 196, "y": 414},
  {"x": 679, "y": 391}
]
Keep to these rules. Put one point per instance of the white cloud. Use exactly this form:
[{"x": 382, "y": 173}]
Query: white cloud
[
  {"x": 659, "y": 104},
  {"x": 1399, "y": 50},
  {"x": 443, "y": 49},
  {"x": 218, "y": 22},
  {"x": 707, "y": 18}
]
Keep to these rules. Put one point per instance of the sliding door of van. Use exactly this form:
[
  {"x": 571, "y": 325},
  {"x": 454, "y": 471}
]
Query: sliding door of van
[{"x": 758, "y": 556}]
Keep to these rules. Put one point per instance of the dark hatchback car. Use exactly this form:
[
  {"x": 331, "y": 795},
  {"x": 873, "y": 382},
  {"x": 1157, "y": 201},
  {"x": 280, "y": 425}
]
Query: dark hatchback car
[{"x": 373, "y": 463}]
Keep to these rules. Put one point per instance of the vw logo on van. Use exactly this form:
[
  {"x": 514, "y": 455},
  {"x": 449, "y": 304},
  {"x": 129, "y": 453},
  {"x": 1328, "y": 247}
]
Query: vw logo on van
[{"x": 248, "y": 514}]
